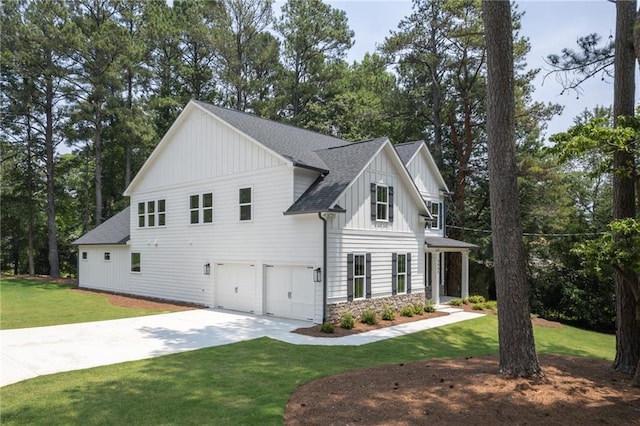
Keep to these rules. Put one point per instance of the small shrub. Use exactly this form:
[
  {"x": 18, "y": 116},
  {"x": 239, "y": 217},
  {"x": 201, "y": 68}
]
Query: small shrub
[
  {"x": 388, "y": 313},
  {"x": 347, "y": 321},
  {"x": 418, "y": 308},
  {"x": 327, "y": 327},
  {"x": 368, "y": 316},
  {"x": 456, "y": 302},
  {"x": 491, "y": 304},
  {"x": 407, "y": 311},
  {"x": 430, "y": 306},
  {"x": 476, "y": 299}
]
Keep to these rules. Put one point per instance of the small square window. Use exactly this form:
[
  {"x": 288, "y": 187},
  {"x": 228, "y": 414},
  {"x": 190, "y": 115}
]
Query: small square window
[
  {"x": 107, "y": 256},
  {"x": 84, "y": 255}
]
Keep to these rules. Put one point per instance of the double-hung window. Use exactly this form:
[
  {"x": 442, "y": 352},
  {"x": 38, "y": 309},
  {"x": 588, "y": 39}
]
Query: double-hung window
[
  {"x": 141, "y": 215},
  {"x": 402, "y": 273},
  {"x": 152, "y": 213},
  {"x": 201, "y": 208},
  {"x": 436, "y": 212},
  {"x": 358, "y": 276},
  {"x": 245, "y": 203},
  {"x": 382, "y": 202}
]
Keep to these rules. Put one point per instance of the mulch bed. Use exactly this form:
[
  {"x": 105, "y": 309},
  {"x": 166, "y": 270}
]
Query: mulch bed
[{"x": 575, "y": 391}]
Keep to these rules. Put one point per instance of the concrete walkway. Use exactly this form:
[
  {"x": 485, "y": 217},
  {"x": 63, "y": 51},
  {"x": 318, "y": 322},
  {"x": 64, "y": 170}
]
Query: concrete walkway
[{"x": 32, "y": 352}]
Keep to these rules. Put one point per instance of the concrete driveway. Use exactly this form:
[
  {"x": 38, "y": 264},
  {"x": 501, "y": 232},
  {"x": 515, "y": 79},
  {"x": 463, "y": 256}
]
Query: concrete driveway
[{"x": 32, "y": 352}]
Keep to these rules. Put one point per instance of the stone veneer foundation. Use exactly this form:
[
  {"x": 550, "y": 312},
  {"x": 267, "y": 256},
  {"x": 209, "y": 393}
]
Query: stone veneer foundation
[{"x": 335, "y": 311}]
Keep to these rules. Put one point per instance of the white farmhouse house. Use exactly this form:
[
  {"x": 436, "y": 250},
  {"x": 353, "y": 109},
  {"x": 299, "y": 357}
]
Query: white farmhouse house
[{"x": 237, "y": 212}]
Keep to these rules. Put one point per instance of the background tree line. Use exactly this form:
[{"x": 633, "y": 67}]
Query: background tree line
[{"x": 90, "y": 86}]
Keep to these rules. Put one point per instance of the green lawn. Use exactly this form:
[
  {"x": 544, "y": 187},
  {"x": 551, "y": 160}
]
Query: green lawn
[
  {"x": 246, "y": 383},
  {"x": 30, "y": 303}
]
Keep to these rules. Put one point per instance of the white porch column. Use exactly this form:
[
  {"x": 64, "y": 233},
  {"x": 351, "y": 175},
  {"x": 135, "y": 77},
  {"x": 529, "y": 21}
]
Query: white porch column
[
  {"x": 435, "y": 277},
  {"x": 465, "y": 274}
]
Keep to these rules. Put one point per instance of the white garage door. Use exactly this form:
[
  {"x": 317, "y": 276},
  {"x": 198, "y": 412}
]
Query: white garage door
[
  {"x": 235, "y": 286},
  {"x": 290, "y": 292}
]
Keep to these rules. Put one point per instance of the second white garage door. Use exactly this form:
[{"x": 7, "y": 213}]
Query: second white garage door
[
  {"x": 290, "y": 292},
  {"x": 235, "y": 286}
]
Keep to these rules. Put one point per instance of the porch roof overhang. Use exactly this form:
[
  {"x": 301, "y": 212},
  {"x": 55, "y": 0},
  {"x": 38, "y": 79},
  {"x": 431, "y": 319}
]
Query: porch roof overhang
[{"x": 446, "y": 243}]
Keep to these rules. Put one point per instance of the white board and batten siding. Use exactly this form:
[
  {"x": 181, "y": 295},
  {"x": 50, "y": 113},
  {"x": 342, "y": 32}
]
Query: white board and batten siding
[
  {"x": 220, "y": 161},
  {"x": 427, "y": 180},
  {"x": 355, "y": 232},
  {"x": 97, "y": 273}
]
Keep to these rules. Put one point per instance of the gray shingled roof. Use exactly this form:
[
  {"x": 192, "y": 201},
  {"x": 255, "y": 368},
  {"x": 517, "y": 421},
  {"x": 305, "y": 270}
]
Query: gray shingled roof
[
  {"x": 443, "y": 242},
  {"x": 293, "y": 143},
  {"x": 112, "y": 231},
  {"x": 407, "y": 150},
  {"x": 345, "y": 163}
]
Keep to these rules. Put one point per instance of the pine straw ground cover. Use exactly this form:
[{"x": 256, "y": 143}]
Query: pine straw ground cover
[
  {"x": 575, "y": 391},
  {"x": 467, "y": 391}
]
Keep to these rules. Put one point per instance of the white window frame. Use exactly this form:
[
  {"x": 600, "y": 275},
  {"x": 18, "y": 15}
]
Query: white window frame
[
  {"x": 142, "y": 214},
  {"x": 402, "y": 274},
  {"x": 382, "y": 203},
  {"x": 161, "y": 219},
  {"x": 362, "y": 277},
  {"x": 139, "y": 270},
  {"x": 437, "y": 216},
  {"x": 149, "y": 212},
  {"x": 107, "y": 256},
  {"x": 249, "y": 204},
  {"x": 204, "y": 209},
  {"x": 194, "y": 211},
  {"x": 84, "y": 256},
  {"x": 199, "y": 211}
]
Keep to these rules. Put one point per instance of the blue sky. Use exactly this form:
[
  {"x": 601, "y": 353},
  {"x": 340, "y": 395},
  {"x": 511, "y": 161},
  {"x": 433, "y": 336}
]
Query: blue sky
[{"x": 550, "y": 26}]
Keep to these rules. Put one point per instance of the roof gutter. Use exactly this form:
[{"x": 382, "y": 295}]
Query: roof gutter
[{"x": 315, "y": 169}]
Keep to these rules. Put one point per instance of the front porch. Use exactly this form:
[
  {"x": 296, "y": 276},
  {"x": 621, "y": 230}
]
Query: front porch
[{"x": 435, "y": 250}]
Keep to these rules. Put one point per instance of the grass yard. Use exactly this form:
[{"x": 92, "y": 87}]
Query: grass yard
[
  {"x": 247, "y": 383},
  {"x": 32, "y": 303}
]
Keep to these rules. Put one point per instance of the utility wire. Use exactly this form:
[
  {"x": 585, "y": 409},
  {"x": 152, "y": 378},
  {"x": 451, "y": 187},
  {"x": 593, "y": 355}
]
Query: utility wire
[{"x": 532, "y": 234}]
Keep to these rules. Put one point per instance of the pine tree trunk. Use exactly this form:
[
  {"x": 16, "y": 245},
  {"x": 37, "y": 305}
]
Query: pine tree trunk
[
  {"x": 517, "y": 347},
  {"x": 627, "y": 320},
  {"x": 31, "y": 195},
  {"x": 54, "y": 260},
  {"x": 98, "y": 161}
]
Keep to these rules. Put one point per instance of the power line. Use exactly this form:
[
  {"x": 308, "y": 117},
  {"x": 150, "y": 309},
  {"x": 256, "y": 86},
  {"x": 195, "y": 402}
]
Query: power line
[{"x": 532, "y": 234}]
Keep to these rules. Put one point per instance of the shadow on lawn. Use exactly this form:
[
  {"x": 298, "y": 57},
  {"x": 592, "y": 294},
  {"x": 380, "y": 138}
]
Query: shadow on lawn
[{"x": 33, "y": 283}]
